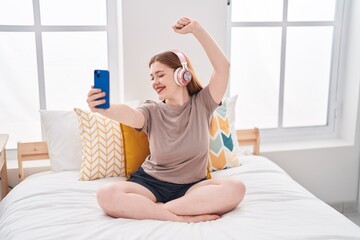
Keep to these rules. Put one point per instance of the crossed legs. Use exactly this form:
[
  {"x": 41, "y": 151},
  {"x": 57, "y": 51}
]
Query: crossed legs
[{"x": 200, "y": 203}]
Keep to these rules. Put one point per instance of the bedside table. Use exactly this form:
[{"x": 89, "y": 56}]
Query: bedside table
[{"x": 4, "y": 178}]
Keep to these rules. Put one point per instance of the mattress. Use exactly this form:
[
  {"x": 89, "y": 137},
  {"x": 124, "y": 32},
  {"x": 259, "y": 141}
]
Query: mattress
[{"x": 57, "y": 206}]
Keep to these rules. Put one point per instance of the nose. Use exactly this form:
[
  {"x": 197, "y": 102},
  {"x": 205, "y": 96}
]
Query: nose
[{"x": 156, "y": 81}]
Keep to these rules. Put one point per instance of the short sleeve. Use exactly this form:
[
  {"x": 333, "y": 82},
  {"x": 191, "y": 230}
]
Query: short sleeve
[
  {"x": 205, "y": 98},
  {"x": 146, "y": 109}
]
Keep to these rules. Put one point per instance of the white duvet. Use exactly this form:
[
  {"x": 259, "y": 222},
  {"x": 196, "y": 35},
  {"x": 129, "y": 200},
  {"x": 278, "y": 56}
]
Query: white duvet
[{"x": 58, "y": 206}]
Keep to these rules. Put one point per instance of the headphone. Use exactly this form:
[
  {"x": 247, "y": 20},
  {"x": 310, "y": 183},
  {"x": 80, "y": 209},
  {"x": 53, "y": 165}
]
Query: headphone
[{"x": 182, "y": 75}]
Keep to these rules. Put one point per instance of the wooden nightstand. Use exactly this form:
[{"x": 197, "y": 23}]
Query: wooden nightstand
[{"x": 4, "y": 178}]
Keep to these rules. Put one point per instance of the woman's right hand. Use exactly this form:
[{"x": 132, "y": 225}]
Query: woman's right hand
[
  {"x": 93, "y": 99},
  {"x": 186, "y": 25}
]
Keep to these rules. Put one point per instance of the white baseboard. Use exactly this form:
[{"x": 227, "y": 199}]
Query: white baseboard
[{"x": 346, "y": 207}]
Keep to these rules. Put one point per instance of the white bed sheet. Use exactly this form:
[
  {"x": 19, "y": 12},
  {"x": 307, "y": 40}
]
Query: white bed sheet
[{"x": 58, "y": 206}]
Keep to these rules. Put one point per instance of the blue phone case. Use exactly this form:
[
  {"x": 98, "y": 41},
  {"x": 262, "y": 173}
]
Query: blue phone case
[{"x": 102, "y": 81}]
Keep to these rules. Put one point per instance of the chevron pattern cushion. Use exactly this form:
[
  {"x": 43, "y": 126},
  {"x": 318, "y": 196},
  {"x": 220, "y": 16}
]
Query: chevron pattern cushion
[
  {"x": 223, "y": 151},
  {"x": 102, "y": 146}
]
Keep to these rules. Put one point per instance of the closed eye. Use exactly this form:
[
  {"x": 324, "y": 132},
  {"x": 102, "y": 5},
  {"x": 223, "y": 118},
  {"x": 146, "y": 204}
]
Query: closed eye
[{"x": 159, "y": 74}]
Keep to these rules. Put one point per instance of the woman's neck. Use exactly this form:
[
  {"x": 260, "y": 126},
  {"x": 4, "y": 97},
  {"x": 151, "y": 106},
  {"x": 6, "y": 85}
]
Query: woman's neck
[{"x": 179, "y": 99}]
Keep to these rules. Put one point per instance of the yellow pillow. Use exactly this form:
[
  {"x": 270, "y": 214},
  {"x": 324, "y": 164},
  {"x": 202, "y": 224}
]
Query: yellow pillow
[
  {"x": 222, "y": 152},
  {"x": 136, "y": 146},
  {"x": 102, "y": 146}
]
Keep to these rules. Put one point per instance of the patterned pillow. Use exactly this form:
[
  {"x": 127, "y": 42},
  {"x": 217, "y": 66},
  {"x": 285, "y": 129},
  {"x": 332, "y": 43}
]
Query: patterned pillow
[
  {"x": 230, "y": 107},
  {"x": 223, "y": 150},
  {"x": 102, "y": 146}
]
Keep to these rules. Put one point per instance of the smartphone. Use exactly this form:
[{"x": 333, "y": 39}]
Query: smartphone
[{"x": 102, "y": 81}]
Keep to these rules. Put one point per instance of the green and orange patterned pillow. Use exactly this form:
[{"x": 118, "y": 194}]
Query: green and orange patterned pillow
[{"x": 223, "y": 148}]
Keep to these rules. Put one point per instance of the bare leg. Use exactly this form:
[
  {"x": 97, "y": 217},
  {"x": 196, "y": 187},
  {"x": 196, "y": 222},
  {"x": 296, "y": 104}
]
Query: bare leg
[
  {"x": 214, "y": 196},
  {"x": 131, "y": 200}
]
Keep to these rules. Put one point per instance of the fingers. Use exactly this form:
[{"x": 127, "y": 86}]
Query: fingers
[
  {"x": 94, "y": 91},
  {"x": 94, "y": 104},
  {"x": 181, "y": 23},
  {"x": 94, "y": 96},
  {"x": 184, "y": 20}
]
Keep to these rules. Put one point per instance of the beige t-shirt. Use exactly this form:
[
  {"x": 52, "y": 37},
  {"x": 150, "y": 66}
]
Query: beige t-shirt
[{"x": 178, "y": 138}]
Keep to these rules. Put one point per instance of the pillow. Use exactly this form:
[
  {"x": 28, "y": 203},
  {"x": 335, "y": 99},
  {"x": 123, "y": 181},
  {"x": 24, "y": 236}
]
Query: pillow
[
  {"x": 59, "y": 129},
  {"x": 101, "y": 145},
  {"x": 223, "y": 148},
  {"x": 136, "y": 148},
  {"x": 230, "y": 106}
]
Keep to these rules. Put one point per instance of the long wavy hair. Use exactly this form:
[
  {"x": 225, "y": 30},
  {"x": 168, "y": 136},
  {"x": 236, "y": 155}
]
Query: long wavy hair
[{"x": 171, "y": 60}]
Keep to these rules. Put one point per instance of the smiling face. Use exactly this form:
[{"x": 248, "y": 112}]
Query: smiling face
[
  {"x": 162, "y": 67},
  {"x": 162, "y": 80}
]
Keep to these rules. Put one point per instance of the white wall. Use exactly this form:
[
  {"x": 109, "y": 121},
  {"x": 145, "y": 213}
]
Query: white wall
[
  {"x": 350, "y": 71},
  {"x": 353, "y": 72},
  {"x": 331, "y": 173},
  {"x": 147, "y": 31}
]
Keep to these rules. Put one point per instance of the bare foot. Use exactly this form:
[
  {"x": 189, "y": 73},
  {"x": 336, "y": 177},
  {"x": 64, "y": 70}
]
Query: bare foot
[{"x": 199, "y": 218}]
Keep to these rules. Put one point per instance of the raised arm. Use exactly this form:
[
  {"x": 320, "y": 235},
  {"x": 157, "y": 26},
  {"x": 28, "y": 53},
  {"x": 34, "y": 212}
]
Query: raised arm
[
  {"x": 221, "y": 66},
  {"x": 118, "y": 112}
]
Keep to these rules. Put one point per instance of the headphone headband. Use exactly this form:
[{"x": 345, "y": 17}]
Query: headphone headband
[{"x": 181, "y": 58}]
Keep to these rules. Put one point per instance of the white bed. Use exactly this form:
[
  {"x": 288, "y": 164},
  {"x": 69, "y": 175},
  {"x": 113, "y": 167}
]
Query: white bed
[{"x": 58, "y": 206}]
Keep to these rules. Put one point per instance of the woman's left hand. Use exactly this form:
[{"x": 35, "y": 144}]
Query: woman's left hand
[{"x": 185, "y": 25}]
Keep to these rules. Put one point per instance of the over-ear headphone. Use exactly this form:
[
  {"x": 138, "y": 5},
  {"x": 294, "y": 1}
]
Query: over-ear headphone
[{"x": 182, "y": 75}]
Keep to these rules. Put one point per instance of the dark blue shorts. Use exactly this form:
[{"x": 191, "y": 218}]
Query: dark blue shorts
[{"x": 163, "y": 191}]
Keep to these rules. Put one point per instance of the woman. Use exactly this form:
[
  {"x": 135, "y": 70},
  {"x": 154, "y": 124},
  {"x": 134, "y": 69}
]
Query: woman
[{"x": 171, "y": 184}]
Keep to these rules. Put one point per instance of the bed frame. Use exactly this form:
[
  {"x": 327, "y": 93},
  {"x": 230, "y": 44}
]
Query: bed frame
[
  {"x": 39, "y": 150},
  {"x": 29, "y": 152}
]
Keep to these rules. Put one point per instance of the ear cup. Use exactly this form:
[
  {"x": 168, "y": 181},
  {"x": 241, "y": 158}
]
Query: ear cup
[
  {"x": 187, "y": 76},
  {"x": 176, "y": 78},
  {"x": 182, "y": 76}
]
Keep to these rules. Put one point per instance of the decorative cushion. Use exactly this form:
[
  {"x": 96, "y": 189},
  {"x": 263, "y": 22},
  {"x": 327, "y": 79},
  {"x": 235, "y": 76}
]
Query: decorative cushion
[
  {"x": 136, "y": 148},
  {"x": 223, "y": 149},
  {"x": 60, "y": 131},
  {"x": 230, "y": 106},
  {"x": 102, "y": 146}
]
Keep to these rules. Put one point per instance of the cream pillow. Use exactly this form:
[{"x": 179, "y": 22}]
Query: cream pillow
[
  {"x": 60, "y": 131},
  {"x": 102, "y": 146}
]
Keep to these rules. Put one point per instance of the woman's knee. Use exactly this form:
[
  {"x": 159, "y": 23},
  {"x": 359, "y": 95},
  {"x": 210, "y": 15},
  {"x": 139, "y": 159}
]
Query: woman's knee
[
  {"x": 237, "y": 190},
  {"x": 241, "y": 189},
  {"x": 107, "y": 196}
]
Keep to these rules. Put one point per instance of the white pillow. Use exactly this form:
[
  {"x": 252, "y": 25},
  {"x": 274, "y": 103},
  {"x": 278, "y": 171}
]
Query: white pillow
[{"x": 60, "y": 130}]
